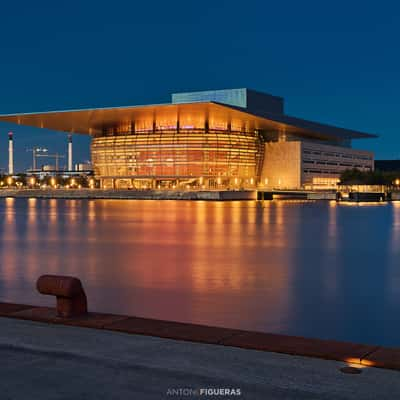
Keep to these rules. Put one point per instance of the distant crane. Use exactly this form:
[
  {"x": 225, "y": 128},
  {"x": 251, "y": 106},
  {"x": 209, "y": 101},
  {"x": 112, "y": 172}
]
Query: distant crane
[
  {"x": 56, "y": 156},
  {"x": 42, "y": 152},
  {"x": 35, "y": 152}
]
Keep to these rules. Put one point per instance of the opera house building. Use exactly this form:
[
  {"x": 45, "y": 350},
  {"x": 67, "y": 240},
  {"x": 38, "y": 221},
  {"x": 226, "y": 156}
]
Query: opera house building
[{"x": 221, "y": 139}]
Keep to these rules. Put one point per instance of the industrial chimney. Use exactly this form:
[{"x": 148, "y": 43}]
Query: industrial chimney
[
  {"x": 10, "y": 154},
  {"x": 70, "y": 152}
]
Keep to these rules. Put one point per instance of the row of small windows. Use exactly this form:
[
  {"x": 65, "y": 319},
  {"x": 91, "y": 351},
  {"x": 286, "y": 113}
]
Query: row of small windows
[
  {"x": 333, "y": 163},
  {"x": 319, "y": 171},
  {"x": 342, "y": 155}
]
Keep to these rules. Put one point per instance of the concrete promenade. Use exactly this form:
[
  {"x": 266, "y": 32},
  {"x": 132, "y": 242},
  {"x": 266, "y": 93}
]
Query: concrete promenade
[
  {"x": 153, "y": 194},
  {"x": 129, "y": 194},
  {"x": 52, "y": 361}
]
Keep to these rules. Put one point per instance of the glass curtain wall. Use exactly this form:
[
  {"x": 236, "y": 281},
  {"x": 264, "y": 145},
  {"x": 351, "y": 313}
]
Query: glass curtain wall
[{"x": 219, "y": 155}]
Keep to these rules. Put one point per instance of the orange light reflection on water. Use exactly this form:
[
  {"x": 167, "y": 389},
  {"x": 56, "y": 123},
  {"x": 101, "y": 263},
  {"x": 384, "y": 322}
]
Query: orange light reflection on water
[{"x": 274, "y": 265}]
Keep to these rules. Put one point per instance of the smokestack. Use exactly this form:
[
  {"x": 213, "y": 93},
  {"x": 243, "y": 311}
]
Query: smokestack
[
  {"x": 10, "y": 154},
  {"x": 70, "y": 152}
]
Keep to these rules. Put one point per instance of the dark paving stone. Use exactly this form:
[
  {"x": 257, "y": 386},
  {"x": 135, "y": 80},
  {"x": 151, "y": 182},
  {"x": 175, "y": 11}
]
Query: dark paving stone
[
  {"x": 351, "y": 370},
  {"x": 42, "y": 314},
  {"x": 172, "y": 330},
  {"x": 199, "y": 333},
  {"x": 46, "y": 314},
  {"x": 383, "y": 358},
  {"x": 9, "y": 308},
  {"x": 328, "y": 349},
  {"x": 141, "y": 326},
  {"x": 92, "y": 320}
]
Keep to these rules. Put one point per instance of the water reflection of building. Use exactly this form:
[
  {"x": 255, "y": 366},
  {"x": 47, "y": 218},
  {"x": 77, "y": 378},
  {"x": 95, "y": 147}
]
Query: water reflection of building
[{"x": 219, "y": 139}]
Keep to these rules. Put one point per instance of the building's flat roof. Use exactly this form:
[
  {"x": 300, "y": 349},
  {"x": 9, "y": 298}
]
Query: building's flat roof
[{"x": 91, "y": 121}]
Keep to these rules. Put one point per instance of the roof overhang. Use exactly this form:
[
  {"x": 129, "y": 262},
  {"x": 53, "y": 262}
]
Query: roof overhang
[{"x": 92, "y": 121}]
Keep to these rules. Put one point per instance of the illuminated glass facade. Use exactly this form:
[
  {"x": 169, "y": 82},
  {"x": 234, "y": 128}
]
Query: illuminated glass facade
[{"x": 195, "y": 157}]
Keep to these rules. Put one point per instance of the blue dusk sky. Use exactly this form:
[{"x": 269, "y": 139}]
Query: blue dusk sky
[{"x": 336, "y": 62}]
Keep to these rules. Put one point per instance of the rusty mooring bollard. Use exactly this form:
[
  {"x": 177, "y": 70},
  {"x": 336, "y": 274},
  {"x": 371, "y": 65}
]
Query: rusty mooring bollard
[{"x": 71, "y": 298}]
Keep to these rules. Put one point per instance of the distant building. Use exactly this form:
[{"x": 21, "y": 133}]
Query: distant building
[
  {"x": 83, "y": 167},
  {"x": 220, "y": 139},
  {"x": 48, "y": 168}
]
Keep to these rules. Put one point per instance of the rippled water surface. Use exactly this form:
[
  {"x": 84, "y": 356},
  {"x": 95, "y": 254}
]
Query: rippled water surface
[{"x": 316, "y": 269}]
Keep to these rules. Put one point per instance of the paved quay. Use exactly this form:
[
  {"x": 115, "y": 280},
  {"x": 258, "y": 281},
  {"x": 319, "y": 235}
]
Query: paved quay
[
  {"x": 52, "y": 361},
  {"x": 154, "y": 194},
  {"x": 122, "y": 194}
]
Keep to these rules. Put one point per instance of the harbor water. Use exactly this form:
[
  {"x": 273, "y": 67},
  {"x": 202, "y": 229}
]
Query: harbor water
[{"x": 317, "y": 269}]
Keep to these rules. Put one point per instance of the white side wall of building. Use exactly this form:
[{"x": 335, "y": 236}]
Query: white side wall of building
[{"x": 301, "y": 164}]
